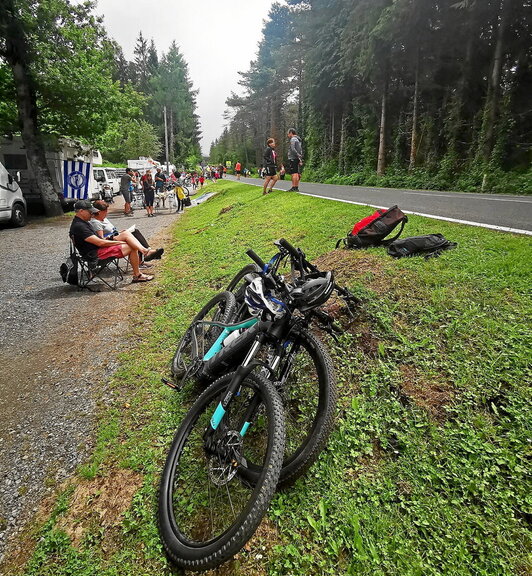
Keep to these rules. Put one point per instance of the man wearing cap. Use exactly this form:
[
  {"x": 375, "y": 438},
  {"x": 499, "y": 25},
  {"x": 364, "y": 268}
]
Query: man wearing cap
[{"x": 89, "y": 245}]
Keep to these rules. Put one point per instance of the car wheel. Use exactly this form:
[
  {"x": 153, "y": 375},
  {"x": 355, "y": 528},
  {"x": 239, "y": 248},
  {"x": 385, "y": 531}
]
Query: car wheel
[{"x": 18, "y": 215}]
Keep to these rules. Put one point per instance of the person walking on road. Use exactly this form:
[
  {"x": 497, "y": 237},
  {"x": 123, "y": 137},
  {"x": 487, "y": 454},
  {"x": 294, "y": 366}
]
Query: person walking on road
[
  {"x": 238, "y": 170},
  {"x": 270, "y": 167},
  {"x": 295, "y": 159}
]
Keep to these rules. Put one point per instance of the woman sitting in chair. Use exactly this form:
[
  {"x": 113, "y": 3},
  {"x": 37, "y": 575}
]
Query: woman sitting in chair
[{"x": 133, "y": 238}]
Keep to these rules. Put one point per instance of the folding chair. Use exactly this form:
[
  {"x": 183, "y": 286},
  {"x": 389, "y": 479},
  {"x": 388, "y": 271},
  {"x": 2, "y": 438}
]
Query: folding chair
[{"x": 93, "y": 271}]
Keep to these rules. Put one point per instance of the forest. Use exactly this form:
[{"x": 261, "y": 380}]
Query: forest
[
  {"x": 410, "y": 93},
  {"x": 61, "y": 74}
]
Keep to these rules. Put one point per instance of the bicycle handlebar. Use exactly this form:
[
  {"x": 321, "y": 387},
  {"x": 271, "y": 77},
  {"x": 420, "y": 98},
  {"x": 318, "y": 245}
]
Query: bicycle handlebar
[
  {"x": 256, "y": 258},
  {"x": 287, "y": 246}
]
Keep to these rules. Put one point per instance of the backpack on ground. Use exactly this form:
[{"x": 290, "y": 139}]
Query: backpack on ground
[
  {"x": 69, "y": 270},
  {"x": 372, "y": 230},
  {"x": 429, "y": 245}
]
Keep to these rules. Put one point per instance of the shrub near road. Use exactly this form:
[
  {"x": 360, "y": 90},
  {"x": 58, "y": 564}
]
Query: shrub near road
[{"x": 426, "y": 470}]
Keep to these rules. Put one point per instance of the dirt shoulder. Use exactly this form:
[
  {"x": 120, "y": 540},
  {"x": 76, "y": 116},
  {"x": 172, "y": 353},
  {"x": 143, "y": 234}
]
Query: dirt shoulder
[{"x": 58, "y": 347}]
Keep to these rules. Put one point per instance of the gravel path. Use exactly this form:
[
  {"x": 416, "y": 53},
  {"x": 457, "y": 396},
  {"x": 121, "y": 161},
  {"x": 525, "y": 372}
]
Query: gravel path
[{"x": 53, "y": 363}]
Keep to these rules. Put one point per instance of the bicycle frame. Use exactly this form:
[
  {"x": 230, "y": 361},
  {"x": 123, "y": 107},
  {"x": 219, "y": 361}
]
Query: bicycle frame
[{"x": 228, "y": 329}]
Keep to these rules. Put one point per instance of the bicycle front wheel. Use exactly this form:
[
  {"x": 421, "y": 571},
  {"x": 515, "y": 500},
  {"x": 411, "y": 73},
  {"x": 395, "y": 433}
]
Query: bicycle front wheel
[
  {"x": 306, "y": 383},
  {"x": 207, "y": 511},
  {"x": 221, "y": 308}
]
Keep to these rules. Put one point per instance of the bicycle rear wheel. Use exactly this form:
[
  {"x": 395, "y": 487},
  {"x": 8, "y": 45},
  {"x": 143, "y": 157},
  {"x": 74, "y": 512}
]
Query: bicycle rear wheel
[
  {"x": 221, "y": 308},
  {"x": 238, "y": 287},
  {"x": 206, "y": 510}
]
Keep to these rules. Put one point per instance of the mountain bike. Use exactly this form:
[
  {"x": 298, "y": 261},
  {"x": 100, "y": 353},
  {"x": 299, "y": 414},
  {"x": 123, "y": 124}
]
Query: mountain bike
[
  {"x": 224, "y": 464},
  {"x": 298, "y": 362}
]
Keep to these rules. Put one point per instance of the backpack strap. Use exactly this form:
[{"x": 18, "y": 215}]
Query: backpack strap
[{"x": 388, "y": 242}]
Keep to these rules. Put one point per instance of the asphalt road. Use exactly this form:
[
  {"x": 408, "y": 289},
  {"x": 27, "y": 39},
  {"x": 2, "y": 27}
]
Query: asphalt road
[{"x": 497, "y": 211}]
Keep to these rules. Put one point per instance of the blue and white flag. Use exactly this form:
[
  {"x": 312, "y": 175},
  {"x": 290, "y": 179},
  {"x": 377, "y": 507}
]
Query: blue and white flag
[{"x": 76, "y": 179}]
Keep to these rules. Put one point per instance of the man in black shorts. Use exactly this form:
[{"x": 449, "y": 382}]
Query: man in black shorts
[{"x": 295, "y": 159}]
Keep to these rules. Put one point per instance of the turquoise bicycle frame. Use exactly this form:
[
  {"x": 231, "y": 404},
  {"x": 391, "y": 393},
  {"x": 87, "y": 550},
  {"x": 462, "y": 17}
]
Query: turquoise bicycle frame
[{"x": 217, "y": 346}]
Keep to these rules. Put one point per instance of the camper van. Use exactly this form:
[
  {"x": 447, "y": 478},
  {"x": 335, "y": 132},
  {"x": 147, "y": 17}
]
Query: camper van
[
  {"x": 61, "y": 154},
  {"x": 12, "y": 203}
]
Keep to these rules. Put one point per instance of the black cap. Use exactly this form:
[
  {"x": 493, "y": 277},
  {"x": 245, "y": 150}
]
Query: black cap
[{"x": 85, "y": 205}]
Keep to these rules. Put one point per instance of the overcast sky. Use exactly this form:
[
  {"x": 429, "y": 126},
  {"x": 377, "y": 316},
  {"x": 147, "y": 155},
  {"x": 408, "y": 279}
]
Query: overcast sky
[{"x": 218, "y": 38}]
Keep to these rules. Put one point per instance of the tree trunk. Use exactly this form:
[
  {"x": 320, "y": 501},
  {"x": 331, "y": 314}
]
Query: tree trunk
[
  {"x": 16, "y": 54},
  {"x": 333, "y": 132},
  {"x": 341, "y": 153},
  {"x": 492, "y": 98},
  {"x": 381, "y": 162},
  {"x": 414, "y": 139}
]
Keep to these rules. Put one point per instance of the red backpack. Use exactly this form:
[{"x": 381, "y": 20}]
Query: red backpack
[{"x": 372, "y": 230}]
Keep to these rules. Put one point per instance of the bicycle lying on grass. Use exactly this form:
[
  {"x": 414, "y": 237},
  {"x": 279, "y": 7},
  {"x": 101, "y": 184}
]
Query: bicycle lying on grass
[{"x": 265, "y": 416}]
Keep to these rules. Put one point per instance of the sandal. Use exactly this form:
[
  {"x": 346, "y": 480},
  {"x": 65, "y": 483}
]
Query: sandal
[
  {"x": 154, "y": 255},
  {"x": 142, "y": 278}
]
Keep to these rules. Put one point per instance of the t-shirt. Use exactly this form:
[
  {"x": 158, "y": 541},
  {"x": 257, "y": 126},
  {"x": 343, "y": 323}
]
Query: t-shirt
[
  {"x": 81, "y": 230},
  {"x": 104, "y": 225},
  {"x": 238, "y": 166},
  {"x": 160, "y": 183},
  {"x": 125, "y": 182},
  {"x": 295, "y": 151}
]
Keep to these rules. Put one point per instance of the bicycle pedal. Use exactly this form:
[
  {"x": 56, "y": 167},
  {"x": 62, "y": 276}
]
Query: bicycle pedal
[{"x": 171, "y": 384}]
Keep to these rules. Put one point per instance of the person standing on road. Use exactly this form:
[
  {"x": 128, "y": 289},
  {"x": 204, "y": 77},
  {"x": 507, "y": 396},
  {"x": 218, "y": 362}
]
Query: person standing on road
[
  {"x": 160, "y": 181},
  {"x": 126, "y": 189},
  {"x": 295, "y": 159},
  {"x": 238, "y": 170},
  {"x": 270, "y": 167},
  {"x": 149, "y": 193}
]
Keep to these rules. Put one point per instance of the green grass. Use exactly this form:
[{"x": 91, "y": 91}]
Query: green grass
[{"x": 426, "y": 470}]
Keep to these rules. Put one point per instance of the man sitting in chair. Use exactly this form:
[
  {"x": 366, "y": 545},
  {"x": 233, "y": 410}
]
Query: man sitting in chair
[{"x": 90, "y": 245}]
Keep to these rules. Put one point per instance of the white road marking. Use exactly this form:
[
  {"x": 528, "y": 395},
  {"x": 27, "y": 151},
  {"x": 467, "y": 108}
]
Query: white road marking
[
  {"x": 435, "y": 217},
  {"x": 525, "y": 201}
]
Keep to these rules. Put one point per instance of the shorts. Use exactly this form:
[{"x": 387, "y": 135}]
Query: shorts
[
  {"x": 238, "y": 171},
  {"x": 127, "y": 196},
  {"x": 113, "y": 251},
  {"x": 294, "y": 167},
  {"x": 270, "y": 171}
]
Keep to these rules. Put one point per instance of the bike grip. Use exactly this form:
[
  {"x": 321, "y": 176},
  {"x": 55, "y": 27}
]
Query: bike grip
[
  {"x": 285, "y": 244},
  {"x": 256, "y": 258}
]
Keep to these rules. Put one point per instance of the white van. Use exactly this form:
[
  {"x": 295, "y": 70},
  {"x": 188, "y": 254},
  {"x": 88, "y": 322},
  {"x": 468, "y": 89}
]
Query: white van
[
  {"x": 106, "y": 179},
  {"x": 12, "y": 203}
]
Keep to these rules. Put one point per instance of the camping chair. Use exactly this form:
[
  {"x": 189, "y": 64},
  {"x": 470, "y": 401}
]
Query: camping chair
[{"x": 93, "y": 271}]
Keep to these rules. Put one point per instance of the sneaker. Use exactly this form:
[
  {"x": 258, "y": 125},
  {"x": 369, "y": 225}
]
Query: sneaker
[{"x": 296, "y": 189}]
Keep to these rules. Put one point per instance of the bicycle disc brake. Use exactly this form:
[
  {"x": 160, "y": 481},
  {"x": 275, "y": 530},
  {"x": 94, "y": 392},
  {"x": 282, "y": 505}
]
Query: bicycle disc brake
[{"x": 224, "y": 463}]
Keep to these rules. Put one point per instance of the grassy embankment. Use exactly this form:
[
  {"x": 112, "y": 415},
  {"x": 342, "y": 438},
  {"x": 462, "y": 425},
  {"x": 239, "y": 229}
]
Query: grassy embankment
[{"x": 425, "y": 472}]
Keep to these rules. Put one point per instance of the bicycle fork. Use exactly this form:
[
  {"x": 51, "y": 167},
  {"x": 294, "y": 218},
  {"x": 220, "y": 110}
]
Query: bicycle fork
[{"x": 240, "y": 374}]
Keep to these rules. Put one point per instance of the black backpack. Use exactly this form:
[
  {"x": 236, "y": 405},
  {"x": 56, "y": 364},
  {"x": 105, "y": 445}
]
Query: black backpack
[
  {"x": 372, "y": 230},
  {"x": 430, "y": 245},
  {"x": 69, "y": 270}
]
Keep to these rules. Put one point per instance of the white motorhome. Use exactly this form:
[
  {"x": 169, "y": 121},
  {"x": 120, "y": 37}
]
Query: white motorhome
[
  {"x": 12, "y": 202},
  {"x": 59, "y": 150}
]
